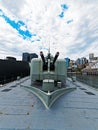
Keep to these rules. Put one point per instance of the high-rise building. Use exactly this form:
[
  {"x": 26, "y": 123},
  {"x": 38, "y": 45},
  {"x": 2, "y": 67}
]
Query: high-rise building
[
  {"x": 33, "y": 55},
  {"x": 91, "y": 56},
  {"x": 26, "y": 57},
  {"x": 67, "y": 61},
  {"x": 78, "y": 61},
  {"x": 81, "y": 61}
]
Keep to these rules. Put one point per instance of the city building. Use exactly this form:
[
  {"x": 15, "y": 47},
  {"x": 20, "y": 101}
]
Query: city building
[
  {"x": 33, "y": 55},
  {"x": 28, "y": 56},
  {"x": 25, "y": 57},
  {"x": 92, "y": 58},
  {"x": 81, "y": 61},
  {"x": 67, "y": 60}
]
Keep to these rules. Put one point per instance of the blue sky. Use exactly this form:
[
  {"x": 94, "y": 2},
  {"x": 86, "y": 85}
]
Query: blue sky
[{"x": 67, "y": 26}]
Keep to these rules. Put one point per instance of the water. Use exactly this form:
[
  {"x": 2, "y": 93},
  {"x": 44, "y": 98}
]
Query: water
[{"x": 91, "y": 80}]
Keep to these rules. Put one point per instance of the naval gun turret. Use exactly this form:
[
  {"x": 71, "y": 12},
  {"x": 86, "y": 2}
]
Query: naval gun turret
[
  {"x": 49, "y": 70},
  {"x": 48, "y": 78}
]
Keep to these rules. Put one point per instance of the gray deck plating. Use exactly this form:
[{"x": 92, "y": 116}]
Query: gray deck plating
[{"x": 21, "y": 110}]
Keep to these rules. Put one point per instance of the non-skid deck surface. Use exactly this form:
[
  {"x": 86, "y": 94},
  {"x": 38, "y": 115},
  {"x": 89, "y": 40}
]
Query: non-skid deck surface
[{"x": 21, "y": 110}]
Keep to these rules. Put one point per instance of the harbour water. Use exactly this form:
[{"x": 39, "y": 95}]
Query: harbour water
[{"x": 91, "y": 80}]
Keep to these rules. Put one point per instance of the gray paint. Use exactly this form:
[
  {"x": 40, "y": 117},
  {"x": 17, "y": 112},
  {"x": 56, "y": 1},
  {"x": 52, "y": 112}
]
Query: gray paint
[{"x": 21, "y": 110}]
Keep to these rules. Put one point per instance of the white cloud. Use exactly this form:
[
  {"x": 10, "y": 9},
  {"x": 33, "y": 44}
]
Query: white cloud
[{"x": 76, "y": 39}]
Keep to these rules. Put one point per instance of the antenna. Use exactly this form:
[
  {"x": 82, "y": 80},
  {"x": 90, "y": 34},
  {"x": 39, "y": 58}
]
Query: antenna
[{"x": 49, "y": 47}]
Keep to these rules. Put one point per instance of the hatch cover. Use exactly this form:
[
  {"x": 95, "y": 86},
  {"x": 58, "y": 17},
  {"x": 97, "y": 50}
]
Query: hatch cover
[
  {"x": 82, "y": 88},
  {"x": 89, "y": 93},
  {"x": 6, "y": 90}
]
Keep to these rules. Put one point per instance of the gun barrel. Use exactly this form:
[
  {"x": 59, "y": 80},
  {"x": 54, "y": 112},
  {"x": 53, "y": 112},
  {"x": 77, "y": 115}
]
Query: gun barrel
[
  {"x": 55, "y": 58},
  {"x": 42, "y": 56}
]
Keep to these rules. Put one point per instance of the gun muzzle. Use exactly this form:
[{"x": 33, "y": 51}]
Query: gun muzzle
[
  {"x": 42, "y": 56},
  {"x": 55, "y": 58}
]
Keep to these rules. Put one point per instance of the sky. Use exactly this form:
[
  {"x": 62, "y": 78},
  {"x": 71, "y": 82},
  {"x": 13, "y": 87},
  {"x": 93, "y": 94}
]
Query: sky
[{"x": 67, "y": 26}]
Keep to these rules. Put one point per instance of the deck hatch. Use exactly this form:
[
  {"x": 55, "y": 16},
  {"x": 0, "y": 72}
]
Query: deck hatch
[
  {"x": 6, "y": 90},
  {"x": 89, "y": 93},
  {"x": 83, "y": 89},
  {"x": 13, "y": 86}
]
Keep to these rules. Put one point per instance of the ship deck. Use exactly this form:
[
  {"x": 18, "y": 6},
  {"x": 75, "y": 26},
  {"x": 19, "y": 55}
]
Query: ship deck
[{"x": 21, "y": 110}]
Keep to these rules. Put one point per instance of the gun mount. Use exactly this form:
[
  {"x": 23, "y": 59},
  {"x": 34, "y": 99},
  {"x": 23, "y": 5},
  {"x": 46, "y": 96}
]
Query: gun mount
[
  {"x": 48, "y": 78},
  {"x": 48, "y": 68}
]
